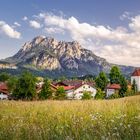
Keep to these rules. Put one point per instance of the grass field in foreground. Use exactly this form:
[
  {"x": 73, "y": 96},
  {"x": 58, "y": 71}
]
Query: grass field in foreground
[{"x": 71, "y": 120}]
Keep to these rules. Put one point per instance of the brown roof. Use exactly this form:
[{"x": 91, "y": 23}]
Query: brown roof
[
  {"x": 136, "y": 72},
  {"x": 39, "y": 87},
  {"x": 114, "y": 86},
  {"x": 72, "y": 84},
  {"x": 59, "y": 84},
  {"x": 75, "y": 83}
]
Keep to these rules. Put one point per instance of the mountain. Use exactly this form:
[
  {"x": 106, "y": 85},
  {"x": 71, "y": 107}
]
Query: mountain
[{"x": 47, "y": 56}]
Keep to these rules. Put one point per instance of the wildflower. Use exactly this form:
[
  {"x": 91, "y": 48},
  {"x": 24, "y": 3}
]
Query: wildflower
[
  {"x": 109, "y": 133},
  {"x": 117, "y": 134},
  {"x": 113, "y": 134},
  {"x": 129, "y": 125},
  {"x": 94, "y": 117},
  {"x": 69, "y": 138},
  {"x": 115, "y": 128},
  {"x": 103, "y": 137},
  {"x": 121, "y": 124},
  {"x": 112, "y": 120}
]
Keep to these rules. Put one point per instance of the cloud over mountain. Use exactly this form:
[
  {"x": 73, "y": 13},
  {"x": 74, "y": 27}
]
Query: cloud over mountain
[{"x": 118, "y": 45}]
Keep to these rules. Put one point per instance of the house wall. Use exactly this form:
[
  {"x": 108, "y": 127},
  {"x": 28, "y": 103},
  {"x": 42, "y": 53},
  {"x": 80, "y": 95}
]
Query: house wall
[
  {"x": 137, "y": 79},
  {"x": 78, "y": 93},
  {"x": 70, "y": 94},
  {"x": 110, "y": 92},
  {"x": 3, "y": 96}
]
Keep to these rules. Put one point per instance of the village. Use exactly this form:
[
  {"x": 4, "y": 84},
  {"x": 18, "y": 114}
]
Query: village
[{"x": 75, "y": 89}]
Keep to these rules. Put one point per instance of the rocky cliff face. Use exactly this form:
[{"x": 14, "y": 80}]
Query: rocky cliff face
[{"x": 68, "y": 58}]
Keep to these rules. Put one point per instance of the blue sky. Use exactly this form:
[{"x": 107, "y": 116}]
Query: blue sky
[{"x": 110, "y": 28}]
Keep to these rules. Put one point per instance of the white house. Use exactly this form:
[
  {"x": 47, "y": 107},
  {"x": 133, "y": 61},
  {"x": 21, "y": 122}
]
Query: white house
[
  {"x": 3, "y": 96},
  {"x": 112, "y": 89},
  {"x": 77, "y": 91},
  {"x": 136, "y": 76}
]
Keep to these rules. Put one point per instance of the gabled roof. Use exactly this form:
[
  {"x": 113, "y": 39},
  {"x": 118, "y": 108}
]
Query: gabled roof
[
  {"x": 75, "y": 83},
  {"x": 39, "y": 87},
  {"x": 72, "y": 84},
  {"x": 59, "y": 83},
  {"x": 113, "y": 86},
  {"x": 136, "y": 72}
]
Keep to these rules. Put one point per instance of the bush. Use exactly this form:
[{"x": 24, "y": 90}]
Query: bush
[
  {"x": 60, "y": 93},
  {"x": 101, "y": 81},
  {"x": 11, "y": 83},
  {"x": 114, "y": 96},
  {"x": 100, "y": 94},
  {"x": 86, "y": 95},
  {"x": 4, "y": 77}
]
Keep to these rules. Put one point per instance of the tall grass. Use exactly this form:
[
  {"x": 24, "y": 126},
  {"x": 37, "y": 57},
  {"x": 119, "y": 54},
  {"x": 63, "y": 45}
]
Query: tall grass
[{"x": 71, "y": 120}]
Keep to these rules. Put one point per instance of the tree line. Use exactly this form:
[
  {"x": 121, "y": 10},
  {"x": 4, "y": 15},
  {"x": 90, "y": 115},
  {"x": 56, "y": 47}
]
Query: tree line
[
  {"x": 24, "y": 86},
  {"x": 115, "y": 77}
]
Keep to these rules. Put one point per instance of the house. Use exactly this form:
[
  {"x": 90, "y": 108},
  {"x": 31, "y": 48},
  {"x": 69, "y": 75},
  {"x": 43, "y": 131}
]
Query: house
[
  {"x": 4, "y": 93},
  {"x": 136, "y": 76},
  {"x": 112, "y": 89},
  {"x": 79, "y": 90},
  {"x": 75, "y": 88}
]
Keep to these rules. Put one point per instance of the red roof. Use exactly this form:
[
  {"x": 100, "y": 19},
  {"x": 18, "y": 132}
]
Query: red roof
[
  {"x": 3, "y": 88},
  {"x": 136, "y": 72},
  {"x": 114, "y": 86},
  {"x": 68, "y": 87}
]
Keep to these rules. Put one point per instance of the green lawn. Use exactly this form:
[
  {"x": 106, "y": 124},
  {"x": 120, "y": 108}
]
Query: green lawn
[{"x": 71, "y": 120}]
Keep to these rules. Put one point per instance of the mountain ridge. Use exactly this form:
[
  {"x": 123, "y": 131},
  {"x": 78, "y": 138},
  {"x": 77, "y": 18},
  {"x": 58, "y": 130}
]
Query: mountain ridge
[{"x": 47, "y": 55}]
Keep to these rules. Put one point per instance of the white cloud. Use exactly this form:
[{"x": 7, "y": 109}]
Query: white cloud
[
  {"x": 125, "y": 15},
  {"x": 54, "y": 30},
  {"x": 24, "y": 18},
  {"x": 135, "y": 23},
  {"x": 119, "y": 45},
  {"x": 8, "y": 30},
  {"x": 34, "y": 24},
  {"x": 17, "y": 24}
]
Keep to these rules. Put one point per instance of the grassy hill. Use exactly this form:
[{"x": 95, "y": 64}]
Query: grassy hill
[{"x": 68, "y": 120}]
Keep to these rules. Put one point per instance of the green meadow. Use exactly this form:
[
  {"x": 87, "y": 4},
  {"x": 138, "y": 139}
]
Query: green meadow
[{"x": 71, "y": 120}]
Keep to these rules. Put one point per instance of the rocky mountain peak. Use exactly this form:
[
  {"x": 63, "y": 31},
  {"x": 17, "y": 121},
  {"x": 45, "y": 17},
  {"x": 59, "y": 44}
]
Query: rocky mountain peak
[
  {"x": 38, "y": 40},
  {"x": 48, "y": 54}
]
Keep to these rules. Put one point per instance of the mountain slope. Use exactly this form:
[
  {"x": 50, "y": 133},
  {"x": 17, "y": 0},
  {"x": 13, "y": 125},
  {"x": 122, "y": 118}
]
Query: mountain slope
[{"x": 58, "y": 58}]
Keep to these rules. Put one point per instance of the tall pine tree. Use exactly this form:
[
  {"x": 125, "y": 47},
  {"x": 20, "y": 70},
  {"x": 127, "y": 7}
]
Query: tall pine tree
[
  {"x": 46, "y": 92},
  {"x": 134, "y": 86},
  {"x": 123, "y": 84},
  {"x": 25, "y": 87},
  {"x": 101, "y": 81},
  {"x": 60, "y": 93},
  {"x": 115, "y": 75}
]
